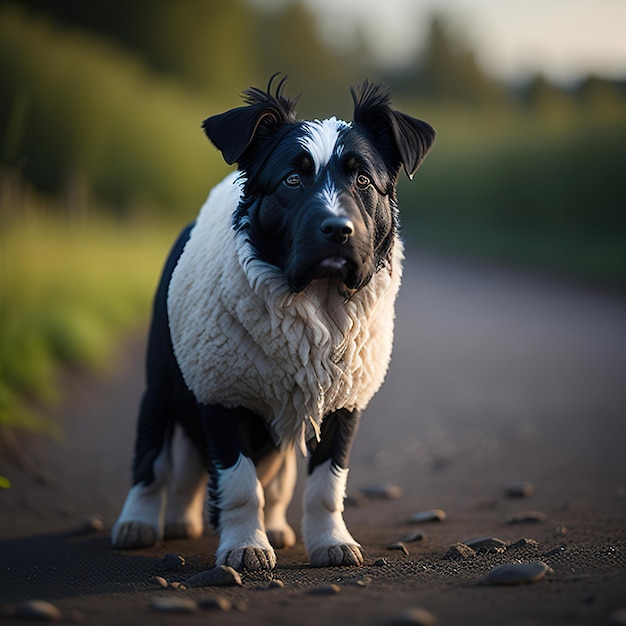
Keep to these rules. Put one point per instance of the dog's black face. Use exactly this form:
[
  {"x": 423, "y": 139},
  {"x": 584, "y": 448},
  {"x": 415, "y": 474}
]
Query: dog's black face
[{"x": 319, "y": 197}]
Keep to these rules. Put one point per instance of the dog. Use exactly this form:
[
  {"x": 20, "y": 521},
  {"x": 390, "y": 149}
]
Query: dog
[{"x": 272, "y": 329}]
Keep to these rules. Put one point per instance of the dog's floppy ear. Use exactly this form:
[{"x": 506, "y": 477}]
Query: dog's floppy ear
[
  {"x": 232, "y": 132},
  {"x": 409, "y": 138}
]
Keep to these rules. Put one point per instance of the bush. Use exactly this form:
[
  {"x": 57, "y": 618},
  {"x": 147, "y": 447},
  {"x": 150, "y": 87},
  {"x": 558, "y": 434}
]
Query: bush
[{"x": 79, "y": 109}]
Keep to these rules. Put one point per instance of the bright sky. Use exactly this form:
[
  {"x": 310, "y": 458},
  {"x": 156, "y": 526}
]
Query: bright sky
[{"x": 563, "y": 39}]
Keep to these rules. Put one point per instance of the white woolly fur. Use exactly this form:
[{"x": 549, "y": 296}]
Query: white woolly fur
[{"x": 242, "y": 338}]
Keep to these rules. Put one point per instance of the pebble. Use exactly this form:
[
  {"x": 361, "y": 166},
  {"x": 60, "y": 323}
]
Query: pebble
[
  {"x": 160, "y": 581},
  {"x": 517, "y": 573},
  {"x": 275, "y": 583},
  {"x": 215, "y": 602},
  {"x": 89, "y": 525},
  {"x": 412, "y": 536},
  {"x": 492, "y": 545},
  {"x": 413, "y": 617},
  {"x": 524, "y": 542},
  {"x": 174, "y": 604},
  {"x": 434, "y": 515},
  {"x": 398, "y": 545},
  {"x": 172, "y": 561},
  {"x": 383, "y": 492},
  {"x": 558, "y": 550},
  {"x": 380, "y": 562},
  {"x": 222, "y": 575},
  {"x": 460, "y": 551},
  {"x": 355, "y": 581},
  {"x": 519, "y": 489},
  {"x": 560, "y": 529},
  {"x": 325, "y": 590},
  {"x": 527, "y": 517},
  {"x": 39, "y": 610},
  {"x": 178, "y": 586}
]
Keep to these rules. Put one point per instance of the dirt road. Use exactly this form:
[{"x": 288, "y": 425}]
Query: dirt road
[{"x": 497, "y": 376}]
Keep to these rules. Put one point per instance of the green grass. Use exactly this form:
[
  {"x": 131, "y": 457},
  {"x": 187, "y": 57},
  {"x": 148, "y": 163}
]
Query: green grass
[{"x": 69, "y": 288}]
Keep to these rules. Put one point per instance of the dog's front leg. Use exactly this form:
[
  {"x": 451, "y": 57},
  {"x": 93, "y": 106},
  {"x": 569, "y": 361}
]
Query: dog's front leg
[
  {"x": 326, "y": 537},
  {"x": 236, "y": 495}
]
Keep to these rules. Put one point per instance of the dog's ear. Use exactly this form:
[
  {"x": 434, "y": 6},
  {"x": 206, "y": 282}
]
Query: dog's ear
[
  {"x": 232, "y": 132},
  {"x": 406, "y": 137}
]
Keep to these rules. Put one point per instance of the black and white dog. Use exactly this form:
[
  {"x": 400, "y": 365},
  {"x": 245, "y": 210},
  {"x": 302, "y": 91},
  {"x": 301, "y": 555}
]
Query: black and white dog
[{"x": 272, "y": 328}]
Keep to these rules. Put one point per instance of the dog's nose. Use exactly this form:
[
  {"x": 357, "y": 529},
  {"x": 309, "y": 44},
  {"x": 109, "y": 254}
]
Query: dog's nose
[{"x": 337, "y": 229}]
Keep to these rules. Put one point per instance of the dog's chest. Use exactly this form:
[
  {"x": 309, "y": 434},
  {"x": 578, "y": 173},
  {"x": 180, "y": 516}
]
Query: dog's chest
[
  {"x": 242, "y": 339},
  {"x": 307, "y": 358},
  {"x": 291, "y": 364}
]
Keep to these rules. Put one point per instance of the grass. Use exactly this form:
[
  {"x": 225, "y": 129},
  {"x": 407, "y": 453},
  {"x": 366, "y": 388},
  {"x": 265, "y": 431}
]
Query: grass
[{"x": 70, "y": 285}]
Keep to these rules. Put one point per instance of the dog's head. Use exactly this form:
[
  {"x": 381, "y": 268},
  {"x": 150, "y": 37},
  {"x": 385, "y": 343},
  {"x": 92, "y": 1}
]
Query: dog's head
[{"x": 319, "y": 198}]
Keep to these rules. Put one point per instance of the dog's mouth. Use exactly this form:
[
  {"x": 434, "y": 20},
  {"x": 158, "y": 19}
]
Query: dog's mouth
[{"x": 330, "y": 268}]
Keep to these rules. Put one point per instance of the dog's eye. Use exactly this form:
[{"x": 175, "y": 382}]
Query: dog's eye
[
  {"x": 293, "y": 180},
  {"x": 363, "y": 181}
]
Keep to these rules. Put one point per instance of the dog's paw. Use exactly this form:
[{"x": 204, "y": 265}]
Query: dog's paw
[
  {"x": 251, "y": 559},
  {"x": 281, "y": 537},
  {"x": 131, "y": 535},
  {"x": 338, "y": 554},
  {"x": 182, "y": 530}
]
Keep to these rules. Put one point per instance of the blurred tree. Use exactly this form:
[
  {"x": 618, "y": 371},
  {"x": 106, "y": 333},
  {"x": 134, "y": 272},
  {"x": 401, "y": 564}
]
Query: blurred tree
[
  {"x": 547, "y": 101},
  {"x": 446, "y": 70},
  {"x": 210, "y": 44},
  {"x": 207, "y": 43},
  {"x": 603, "y": 96},
  {"x": 288, "y": 41}
]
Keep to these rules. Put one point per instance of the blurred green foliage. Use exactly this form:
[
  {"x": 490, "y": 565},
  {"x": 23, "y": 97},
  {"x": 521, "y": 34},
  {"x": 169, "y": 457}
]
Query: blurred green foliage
[
  {"x": 108, "y": 97},
  {"x": 70, "y": 283},
  {"x": 551, "y": 196},
  {"x": 100, "y": 112},
  {"x": 75, "y": 109}
]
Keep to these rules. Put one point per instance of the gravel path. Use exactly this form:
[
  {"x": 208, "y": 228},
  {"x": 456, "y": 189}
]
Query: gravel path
[{"x": 506, "y": 400}]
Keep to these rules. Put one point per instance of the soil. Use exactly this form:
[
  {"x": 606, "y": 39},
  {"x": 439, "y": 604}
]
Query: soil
[{"x": 497, "y": 376}]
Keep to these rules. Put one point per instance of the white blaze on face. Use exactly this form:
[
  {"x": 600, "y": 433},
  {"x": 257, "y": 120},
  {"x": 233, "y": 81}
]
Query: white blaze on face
[
  {"x": 330, "y": 196},
  {"x": 320, "y": 140}
]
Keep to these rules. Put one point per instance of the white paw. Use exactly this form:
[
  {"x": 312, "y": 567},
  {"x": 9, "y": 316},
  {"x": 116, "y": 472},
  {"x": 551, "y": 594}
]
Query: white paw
[
  {"x": 130, "y": 535},
  {"x": 283, "y": 537},
  {"x": 326, "y": 537},
  {"x": 249, "y": 558},
  {"x": 335, "y": 555}
]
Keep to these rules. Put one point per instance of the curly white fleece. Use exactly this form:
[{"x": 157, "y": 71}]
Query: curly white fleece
[{"x": 242, "y": 338}]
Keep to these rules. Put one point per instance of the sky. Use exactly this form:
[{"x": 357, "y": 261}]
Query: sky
[{"x": 562, "y": 39}]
